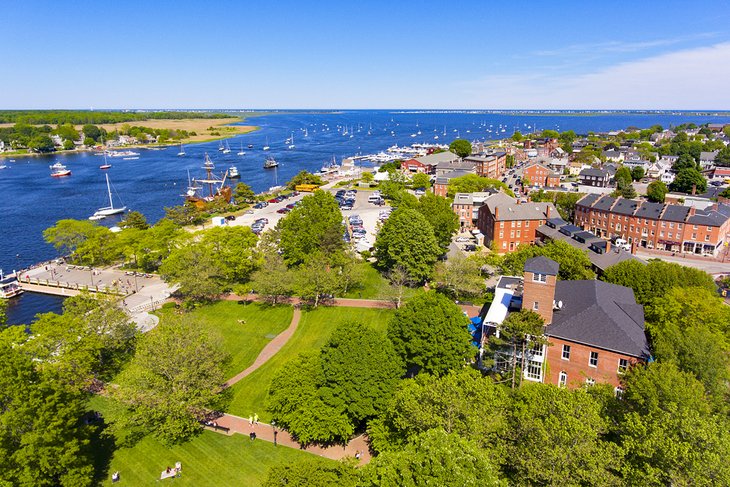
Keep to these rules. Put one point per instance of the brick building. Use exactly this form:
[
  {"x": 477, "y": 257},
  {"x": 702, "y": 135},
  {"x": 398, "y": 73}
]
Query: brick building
[
  {"x": 659, "y": 226},
  {"x": 539, "y": 175},
  {"x": 506, "y": 223},
  {"x": 428, "y": 164},
  {"x": 467, "y": 205},
  {"x": 595, "y": 330},
  {"x": 489, "y": 165}
]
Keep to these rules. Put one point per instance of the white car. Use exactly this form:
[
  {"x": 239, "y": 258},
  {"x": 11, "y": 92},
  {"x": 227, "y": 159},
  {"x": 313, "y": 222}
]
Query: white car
[{"x": 463, "y": 239}]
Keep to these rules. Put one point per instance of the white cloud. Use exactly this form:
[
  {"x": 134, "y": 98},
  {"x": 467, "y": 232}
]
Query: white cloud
[{"x": 688, "y": 79}]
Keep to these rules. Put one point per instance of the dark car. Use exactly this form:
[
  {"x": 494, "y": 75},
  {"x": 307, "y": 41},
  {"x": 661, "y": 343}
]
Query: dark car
[
  {"x": 230, "y": 218},
  {"x": 470, "y": 247},
  {"x": 291, "y": 206},
  {"x": 273, "y": 200},
  {"x": 283, "y": 210}
]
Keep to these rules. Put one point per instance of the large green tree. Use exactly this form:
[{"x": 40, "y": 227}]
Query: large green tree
[
  {"x": 438, "y": 213},
  {"x": 407, "y": 240},
  {"x": 460, "y": 277},
  {"x": 174, "y": 379},
  {"x": 656, "y": 191},
  {"x": 471, "y": 183},
  {"x": 430, "y": 333},
  {"x": 313, "y": 227},
  {"x": 273, "y": 281},
  {"x": 460, "y": 147},
  {"x": 304, "y": 177},
  {"x": 574, "y": 263},
  {"x": 313, "y": 473},
  {"x": 688, "y": 181},
  {"x": 196, "y": 270},
  {"x": 234, "y": 250}
]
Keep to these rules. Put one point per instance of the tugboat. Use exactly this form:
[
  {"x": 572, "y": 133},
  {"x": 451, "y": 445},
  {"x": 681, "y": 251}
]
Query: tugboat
[
  {"x": 58, "y": 170},
  {"x": 270, "y": 163},
  {"x": 216, "y": 187}
]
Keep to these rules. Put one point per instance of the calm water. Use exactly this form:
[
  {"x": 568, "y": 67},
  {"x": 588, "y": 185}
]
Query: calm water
[{"x": 31, "y": 201}]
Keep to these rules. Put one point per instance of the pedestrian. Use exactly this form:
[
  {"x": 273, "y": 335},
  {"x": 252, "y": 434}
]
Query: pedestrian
[
  {"x": 250, "y": 420},
  {"x": 255, "y": 418},
  {"x": 275, "y": 433},
  {"x": 357, "y": 454},
  {"x": 252, "y": 435}
]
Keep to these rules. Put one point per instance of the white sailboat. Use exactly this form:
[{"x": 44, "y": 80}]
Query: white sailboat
[
  {"x": 227, "y": 148},
  {"x": 182, "y": 151},
  {"x": 266, "y": 147},
  {"x": 108, "y": 210},
  {"x": 241, "y": 152},
  {"x": 291, "y": 141}
]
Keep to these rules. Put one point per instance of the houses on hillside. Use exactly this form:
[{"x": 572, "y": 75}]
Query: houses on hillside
[{"x": 595, "y": 330}]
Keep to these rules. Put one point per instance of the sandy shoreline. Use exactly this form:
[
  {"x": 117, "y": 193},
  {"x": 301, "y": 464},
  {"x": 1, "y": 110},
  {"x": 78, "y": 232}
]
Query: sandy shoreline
[{"x": 198, "y": 125}]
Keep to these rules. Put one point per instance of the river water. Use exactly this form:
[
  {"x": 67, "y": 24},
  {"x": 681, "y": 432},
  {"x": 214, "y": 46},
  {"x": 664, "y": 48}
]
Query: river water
[{"x": 31, "y": 201}]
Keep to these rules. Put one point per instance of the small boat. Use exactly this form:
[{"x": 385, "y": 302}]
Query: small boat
[
  {"x": 250, "y": 146},
  {"x": 106, "y": 165},
  {"x": 291, "y": 141},
  {"x": 58, "y": 170},
  {"x": 241, "y": 153},
  {"x": 108, "y": 210},
  {"x": 270, "y": 163},
  {"x": 220, "y": 146},
  {"x": 182, "y": 151},
  {"x": 266, "y": 147},
  {"x": 122, "y": 153},
  {"x": 133, "y": 158},
  {"x": 3, "y": 166},
  {"x": 227, "y": 149},
  {"x": 233, "y": 173}
]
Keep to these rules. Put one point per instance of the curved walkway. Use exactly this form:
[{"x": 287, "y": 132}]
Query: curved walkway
[{"x": 271, "y": 348}]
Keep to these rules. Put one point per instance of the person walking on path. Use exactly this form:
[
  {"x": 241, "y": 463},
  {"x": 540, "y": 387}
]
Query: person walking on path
[
  {"x": 255, "y": 418},
  {"x": 250, "y": 420}
]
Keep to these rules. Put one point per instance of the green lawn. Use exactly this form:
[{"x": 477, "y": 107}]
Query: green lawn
[
  {"x": 210, "y": 459},
  {"x": 374, "y": 285},
  {"x": 243, "y": 341},
  {"x": 314, "y": 330}
]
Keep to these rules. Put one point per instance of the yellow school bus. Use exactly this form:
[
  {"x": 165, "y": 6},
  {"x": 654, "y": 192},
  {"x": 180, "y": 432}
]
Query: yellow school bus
[{"x": 306, "y": 188}]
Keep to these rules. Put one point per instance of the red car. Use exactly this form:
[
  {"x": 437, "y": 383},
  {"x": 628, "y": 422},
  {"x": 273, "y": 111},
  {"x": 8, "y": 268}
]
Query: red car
[
  {"x": 283, "y": 210},
  {"x": 273, "y": 200}
]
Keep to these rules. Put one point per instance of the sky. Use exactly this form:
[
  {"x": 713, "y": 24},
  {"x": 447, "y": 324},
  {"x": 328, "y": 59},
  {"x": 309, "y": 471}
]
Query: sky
[{"x": 365, "y": 54}]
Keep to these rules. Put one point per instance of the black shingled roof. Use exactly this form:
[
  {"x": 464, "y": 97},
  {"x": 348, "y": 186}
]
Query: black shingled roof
[
  {"x": 542, "y": 265},
  {"x": 556, "y": 222},
  {"x": 604, "y": 203},
  {"x": 584, "y": 237},
  {"x": 650, "y": 210},
  {"x": 625, "y": 207},
  {"x": 569, "y": 230},
  {"x": 600, "y": 314},
  {"x": 588, "y": 199},
  {"x": 675, "y": 213}
]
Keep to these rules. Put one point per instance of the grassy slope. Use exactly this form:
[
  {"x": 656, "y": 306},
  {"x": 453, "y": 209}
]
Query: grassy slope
[
  {"x": 242, "y": 341},
  {"x": 211, "y": 459},
  {"x": 314, "y": 330},
  {"x": 374, "y": 285}
]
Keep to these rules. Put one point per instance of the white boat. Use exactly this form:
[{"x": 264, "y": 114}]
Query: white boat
[
  {"x": 270, "y": 163},
  {"x": 241, "y": 152},
  {"x": 133, "y": 158},
  {"x": 108, "y": 210},
  {"x": 227, "y": 149},
  {"x": 58, "y": 170},
  {"x": 220, "y": 146},
  {"x": 3, "y": 166},
  {"x": 106, "y": 164},
  {"x": 9, "y": 287},
  {"x": 122, "y": 153},
  {"x": 291, "y": 141},
  {"x": 182, "y": 150},
  {"x": 233, "y": 173},
  {"x": 266, "y": 147}
]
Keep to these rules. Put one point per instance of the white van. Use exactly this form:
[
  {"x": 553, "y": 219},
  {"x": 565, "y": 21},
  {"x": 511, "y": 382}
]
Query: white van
[
  {"x": 622, "y": 244},
  {"x": 375, "y": 197}
]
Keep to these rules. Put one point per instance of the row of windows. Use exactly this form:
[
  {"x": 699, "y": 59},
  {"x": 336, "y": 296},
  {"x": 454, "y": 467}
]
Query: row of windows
[
  {"x": 590, "y": 381},
  {"x": 623, "y": 364},
  {"x": 639, "y": 220}
]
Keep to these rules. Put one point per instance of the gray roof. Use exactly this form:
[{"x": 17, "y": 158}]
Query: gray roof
[
  {"x": 601, "y": 315},
  {"x": 589, "y": 199},
  {"x": 569, "y": 230},
  {"x": 556, "y": 222},
  {"x": 456, "y": 165},
  {"x": 525, "y": 211},
  {"x": 675, "y": 213},
  {"x": 444, "y": 178},
  {"x": 437, "y": 158},
  {"x": 542, "y": 265},
  {"x": 625, "y": 207},
  {"x": 592, "y": 171},
  {"x": 708, "y": 156},
  {"x": 604, "y": 203},
  {"x": 649, "y": 210},
  {"x": 711, "y": 217}
]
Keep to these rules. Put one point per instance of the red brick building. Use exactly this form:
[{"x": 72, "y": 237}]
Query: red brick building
[
  {"x": 541, "y": 176},
  {"x": 506, "y": 223},
  {"x": 490, "y": 165},
  {"x": 659, "y": 226},
  {"x": 595, "y": 329},
  {"x": 466, "y": 206}
]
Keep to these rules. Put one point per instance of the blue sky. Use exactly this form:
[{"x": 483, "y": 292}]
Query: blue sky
[{"x": 368, "y": 54}]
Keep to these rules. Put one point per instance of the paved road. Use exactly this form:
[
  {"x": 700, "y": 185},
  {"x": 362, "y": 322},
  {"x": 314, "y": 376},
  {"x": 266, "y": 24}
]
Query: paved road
[{"x": 710, "y": 266}]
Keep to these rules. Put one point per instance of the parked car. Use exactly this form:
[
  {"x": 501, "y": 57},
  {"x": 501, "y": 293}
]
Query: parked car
[
  {"x": 470, "y": 247},
  {"x": 283, "y": 210},
  {"x": 463, "y": 239},
  {"x": 230, "y": 218}
]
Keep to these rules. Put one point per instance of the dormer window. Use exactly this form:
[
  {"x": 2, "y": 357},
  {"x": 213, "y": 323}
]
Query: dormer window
[{"x": 539, "y": 277}]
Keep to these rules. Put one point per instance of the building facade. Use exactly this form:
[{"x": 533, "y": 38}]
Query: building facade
[
  {"x": 539, "y": 175},
  {"x": 506, "y": 223},
  {"x": 490, "y": 165},
  {"x": 594, "y": 177}
]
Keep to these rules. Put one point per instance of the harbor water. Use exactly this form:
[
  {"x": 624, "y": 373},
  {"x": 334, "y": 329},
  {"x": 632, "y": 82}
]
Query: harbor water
[{"x": 31, "y": 201}]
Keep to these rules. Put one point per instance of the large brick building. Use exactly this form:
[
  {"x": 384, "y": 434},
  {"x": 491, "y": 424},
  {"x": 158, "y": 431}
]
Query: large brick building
[
  {"x": 506, "y": 223},
  {"x": 490, "y": 165},
  {"x": 428, "y": 164},
  {"x": 467, "y": 205},
  {"x": 539, "y": 175},
  {"x": 595, "y": 330},
  {"x": 659, "y": 226}
]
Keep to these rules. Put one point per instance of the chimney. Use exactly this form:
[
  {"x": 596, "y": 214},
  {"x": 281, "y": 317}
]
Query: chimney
[
  {"x": 547, "y": 210},
  {"x": 692, "y": 211},
  {"x": 496, "y": 213},
  {"x": 538, "y": 292},
  {"x": 608, "y": 246}
]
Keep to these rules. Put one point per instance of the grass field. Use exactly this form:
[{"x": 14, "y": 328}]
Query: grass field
[
  {"x": 243, "y": 341},
  {"x": 314, "y": 330},
  {"x": 211, "y": 459},
  {"x": 374, "y": 285}
]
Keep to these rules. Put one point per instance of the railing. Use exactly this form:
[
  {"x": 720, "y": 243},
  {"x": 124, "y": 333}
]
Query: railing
[
  {"x": 147, "y": 306},
  {"x": 70, "y": 285}
]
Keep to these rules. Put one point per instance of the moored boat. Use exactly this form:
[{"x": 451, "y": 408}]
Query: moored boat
[
  {"x": 216, "y": 187},
  {"x": 9, "y": 287},
  {"x": 58, "y": 170},
  {"x": 270, "y": 163},
  {"x": 108, "y": 210},
  {"x": 233, "y": 173}
]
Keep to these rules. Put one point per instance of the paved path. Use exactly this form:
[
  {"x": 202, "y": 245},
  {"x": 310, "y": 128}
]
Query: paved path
[
  {"x": 266, "y": 432},
  {"x": 271, "y": 348}
]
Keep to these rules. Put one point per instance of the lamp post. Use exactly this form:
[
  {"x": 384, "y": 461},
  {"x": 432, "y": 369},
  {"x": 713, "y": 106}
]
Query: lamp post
[
  {"x": 273, "y": 426},
  {"x": 152, "y": 304}
]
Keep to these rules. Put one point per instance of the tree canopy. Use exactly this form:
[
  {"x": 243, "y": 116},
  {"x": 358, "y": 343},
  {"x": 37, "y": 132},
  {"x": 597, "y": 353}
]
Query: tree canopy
[
  {"x": 438, "y": 213},
  {"x": 656, "y": 191},
  {"x": 460, "y": 147},
  {"x": 471, "y": 183},
  {"x": 304, "y": 177},
  {"x": 689, "y": 180},
  {"x": 574, "y": 263}
]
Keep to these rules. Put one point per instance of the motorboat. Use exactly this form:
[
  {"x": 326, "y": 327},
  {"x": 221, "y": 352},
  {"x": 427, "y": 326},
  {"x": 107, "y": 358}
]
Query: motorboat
[
  {"x": 270, "y": 163},
  {"x": 233, "y": 173},
  {"x": 58, "y": 170}
]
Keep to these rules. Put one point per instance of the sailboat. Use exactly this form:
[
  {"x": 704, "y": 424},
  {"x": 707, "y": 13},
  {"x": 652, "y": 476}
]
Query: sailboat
[
  {"x": 182, "y": 151},
  {"x": 266, "y": 147},
  {"x": 216, "y": 186},
  {"x": 241, "y": 153},
  {"x": 220, "y": 146},
  {"x": 227, "y": 149},
  {"x": 106, "y": 164},
  {"x": 108, "y": 210},
  {"x": 291, "y": 141}
]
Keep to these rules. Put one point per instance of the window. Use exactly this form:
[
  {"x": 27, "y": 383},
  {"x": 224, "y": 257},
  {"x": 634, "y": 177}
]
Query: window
[
  {"x": 590, "y": 381},
  {"x": 707, "y": 238},
  {"x": 563, "y": 379},
  {"x": 535, "y": 305},
  {"x": 593, "y": 360},
  {"x": 537, "y": 350},
  {"x": 519, "y": 223},
  {"x": 694, "y": 227},
  {"x": 623, "y": 365},
  {"x": 501, "y": 224},
  {"x": 694, "y": 236},
  {"x": 566, "y": 352},
  {"x": 518, "y": 233},
  {"x": 709, "y": 229},
  {"x": 533, "y": 371},
  {"x": 661, "y": 234},
  {"x": 504, "y": 245},
  {"x": 539, "y": 277},
  {"x": 664, "y": 224},
  {"x": 669, "y": 235},
  {"x": 671, "y": 224}
]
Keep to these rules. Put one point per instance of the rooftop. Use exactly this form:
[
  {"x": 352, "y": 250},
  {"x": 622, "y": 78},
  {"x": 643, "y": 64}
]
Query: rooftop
[{"x": 542, "y": 265}]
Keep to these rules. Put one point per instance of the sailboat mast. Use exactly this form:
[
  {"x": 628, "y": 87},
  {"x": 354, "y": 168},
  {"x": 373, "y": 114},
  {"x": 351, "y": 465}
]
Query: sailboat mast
[{"x": 109, "y": 190}]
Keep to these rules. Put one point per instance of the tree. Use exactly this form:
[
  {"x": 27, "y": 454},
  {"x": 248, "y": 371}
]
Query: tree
[
  {"x": 196, "y": 270},
  {"x": 313, "y": 473},
  {"x": 407, "y": 239},
  {"x": 471, "y": 183},
  {"x": 174, "y": 379},
  {"x": 623, "y": 178},
  {"x": 689, "y": 181},
  {"x": 574, "y": 263},
  {"x": 656, "y": 191},
  {"x": 685, "y": 161},
  {"x": 569, "y": 427},
  {"x": 438, "y": 213},
  {"x": 312, "y": 227},
  {"x": 41, "y": 143},
  {"x": 360, "y": 371},
  {"x": 667, "y": 431},
  {"x": 68, "y": 144},
  {"x": 243, "y": 193},
  {"x": 186, "y": 214},
  {"x": 368, "y": 177},
  {"x": 460, "y": 147},
  {"x": 43, "y": 440},
  {"x": 273, "y": 280},
  {"x": 91, "y": 131},
  {"x": 234, "y": 250},
  {"x": 459, "y": 277},
  {"x": 316, "y": 279},
  {"x": 430, "y": 334},
  {"x": 135, "y": 219},
  {"x": 723, "y": 157},
  {"x": 637, "y": 173},
  {"x": 67, "y": 235},
  {"x": 520, "y": 329},
  {"x": 517, "y": 136},
  {"x": 304, "y": 177},
  {"x": 3, "y": 312},
  {"x": 398, "y": 282},
  {"x": 296, "y": 404},
  {"x": 462, "y": 402},
  {"x": 564, "y": 202},
  {"x": 433, "y": 458},
  {"x": 421, "y": 180}
]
